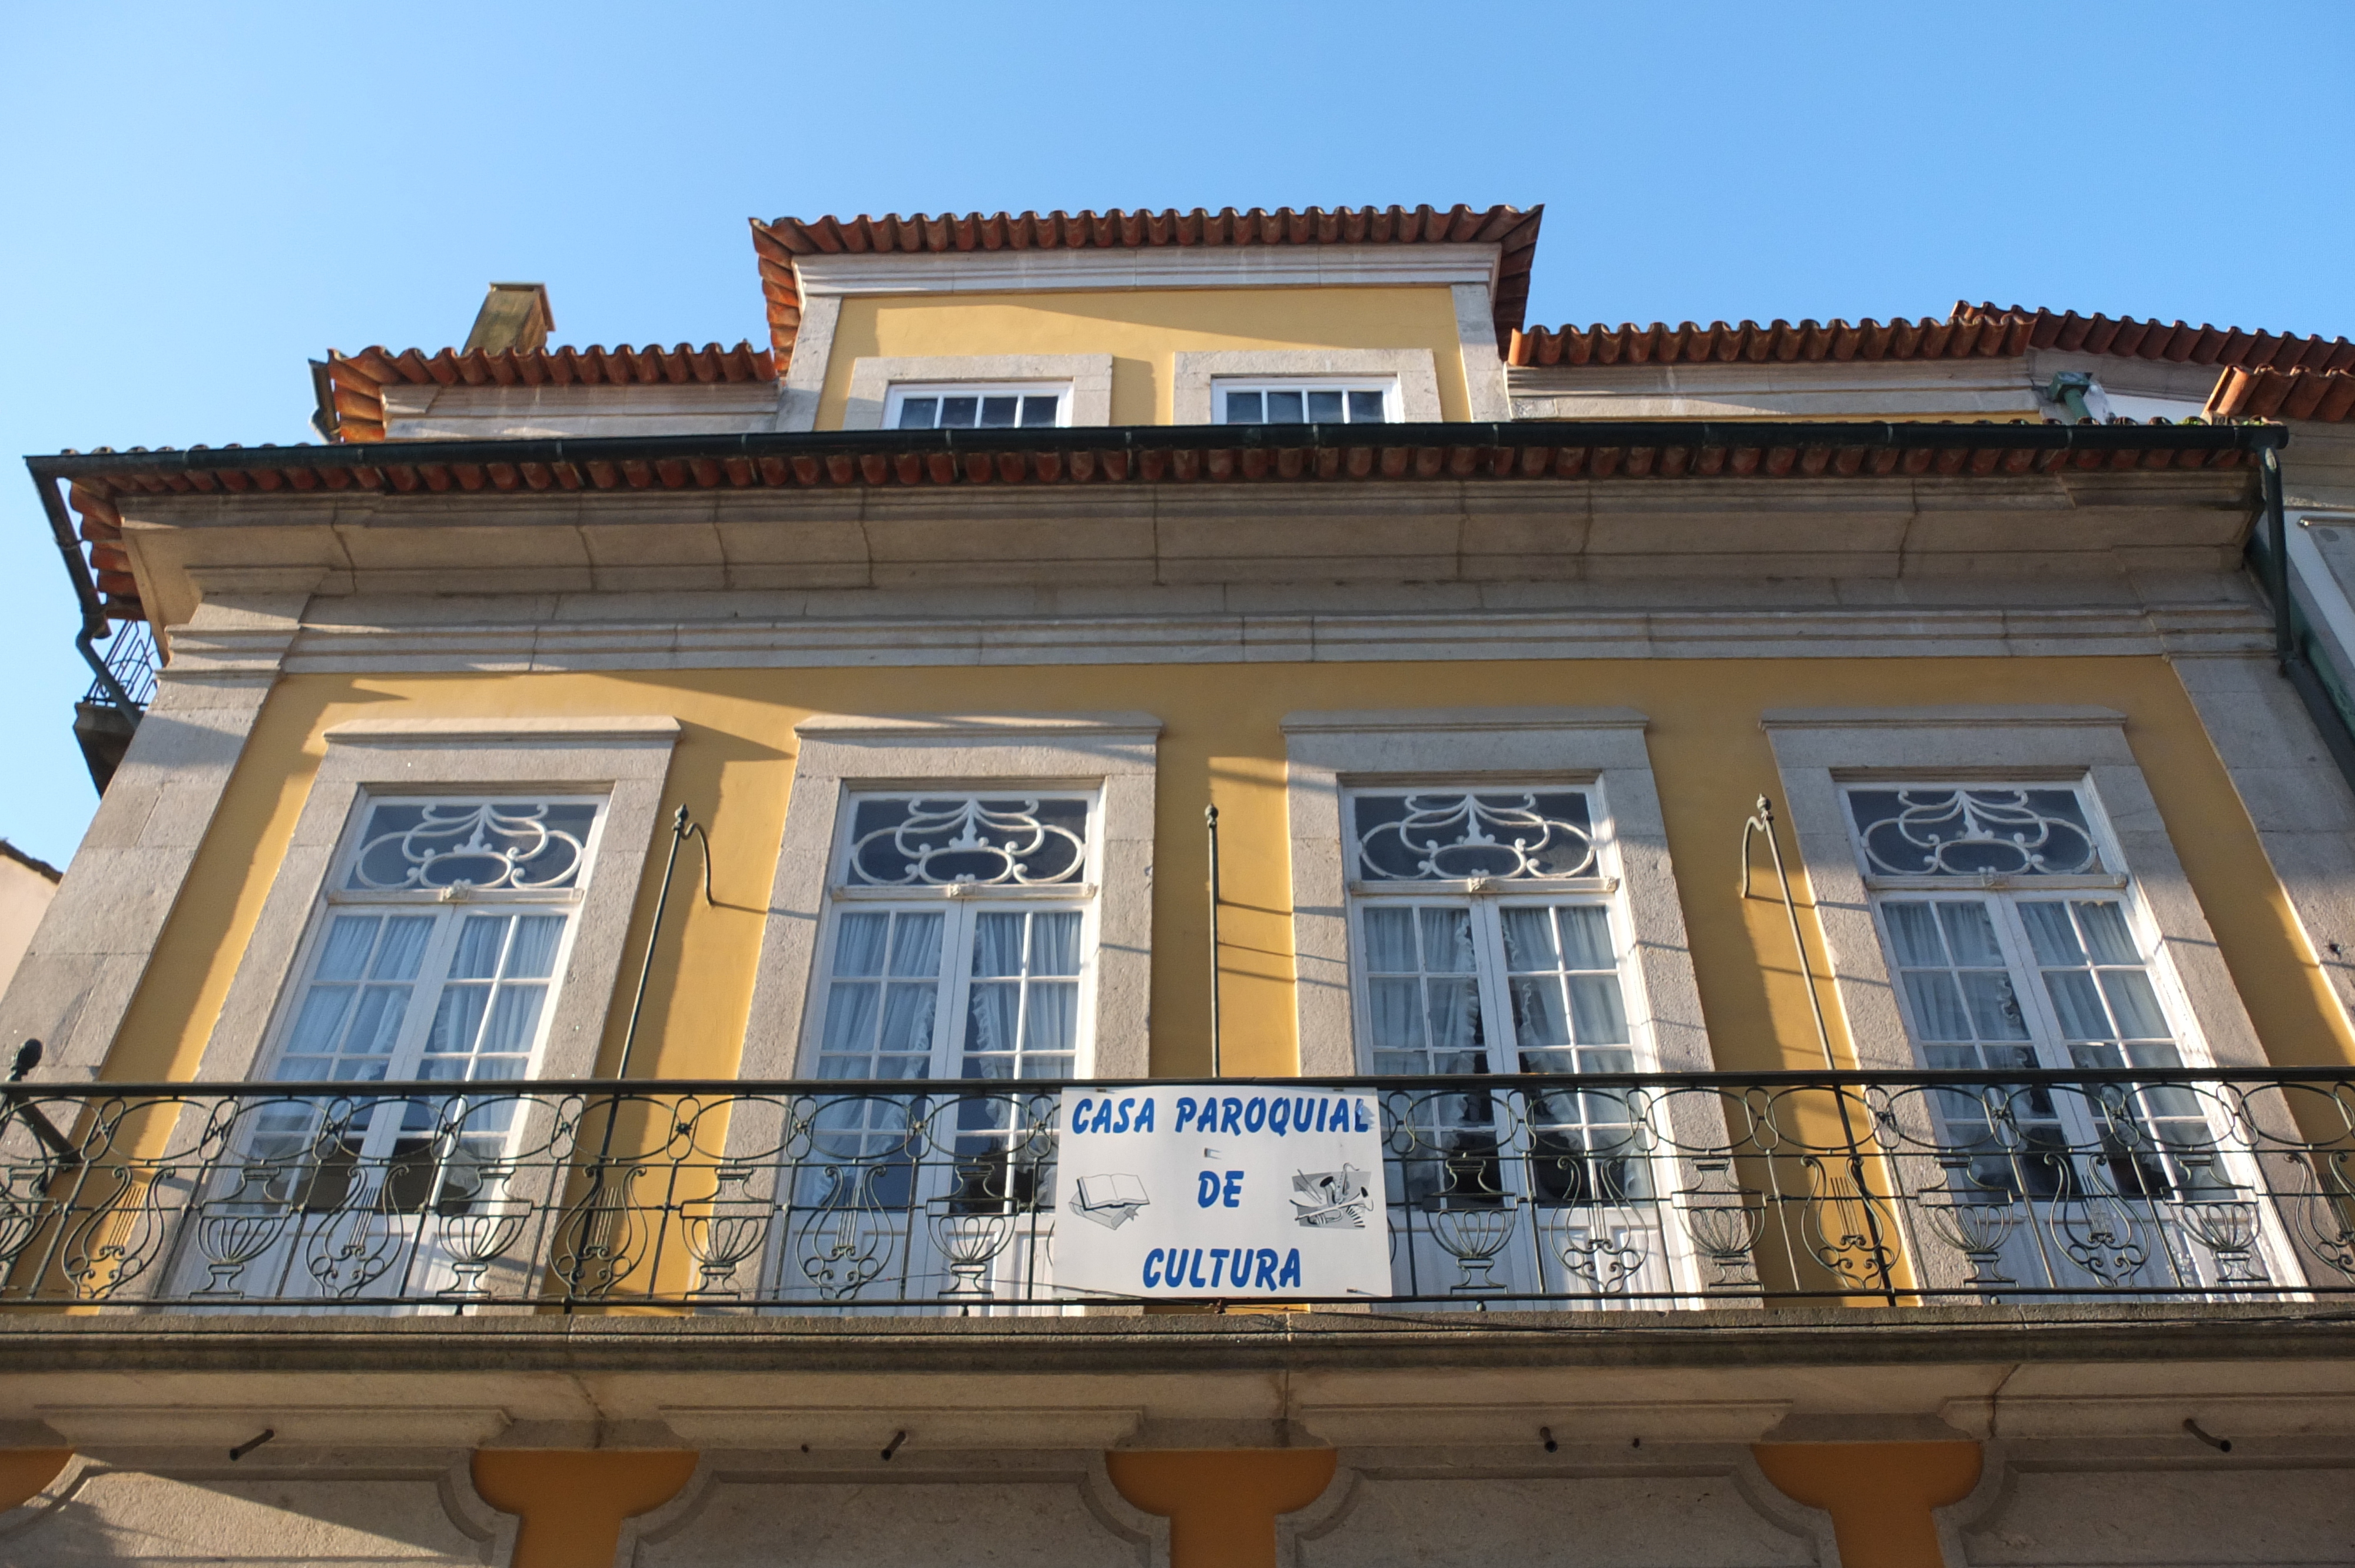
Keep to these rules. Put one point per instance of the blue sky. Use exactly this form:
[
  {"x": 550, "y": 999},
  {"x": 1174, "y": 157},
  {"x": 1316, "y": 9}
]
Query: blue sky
[{"x": 200, "y": 198}]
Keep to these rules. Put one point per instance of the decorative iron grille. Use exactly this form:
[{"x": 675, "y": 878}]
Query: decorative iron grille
[{"x": 1600, "y": 1190}]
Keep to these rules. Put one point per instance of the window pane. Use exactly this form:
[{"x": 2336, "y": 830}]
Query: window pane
[
  {"x": 2078, "y": 1004},
  {"x": 1000, "y": 413},
  {"x": 1539, "y": 1020},
  {"x": 1038, "y": 412},
  {"x": 915, "y": 945},
  {"x": 1586, "y": 936},
  {"x": 1055, "y": 943},
  {"x": 907, "y": 1018},
  {"x": 1970, "y": 934},
  {"x": 1913, "y": 932},
  {"x": 1051, "y": 1022},
  {"x": 1446, "y": 940},
  {"x": 515, "y": 1018},
  {"x": 1395, "y": 1024},
  {"x": 1595, "y": 1011},
  {"x": 959, "y": 412},
  {"x": 1323, "y": 408},
  {"x": 457, "y": 1020},
  {"x": 1994, "y": 1009},
  {"x": 1284, "y": 409},
  {"x": 996, "y": 1010},
  {"x": 850, "y": 1011},
  {"x": 2051, "y": 933},
  {"x": 1938, "y": 1005},
  {"x": 1529, "y": 940},
  {"x": 2134, "y": 1004},
  {"x": 858, "y": 944},
  {"x": 2106, "y": 934},
  {"x": 321, "y": 1019},
  {"x": 919, "y": 413},
  {"x": 997, "y": 945},
  {"x": 532, "y": 954},
  {"x": 480, "y": 937},
  {"x": 375, "y": 1022},
  {"x": 1243, "y": 409},
  {"x": 1389, "y": 941},
  {"x": 1454, "y": 1018},
  {"x": 404, "y": 947},
  {"x": 1366, "y": 408},
  {"x": 344, "y": 955}
]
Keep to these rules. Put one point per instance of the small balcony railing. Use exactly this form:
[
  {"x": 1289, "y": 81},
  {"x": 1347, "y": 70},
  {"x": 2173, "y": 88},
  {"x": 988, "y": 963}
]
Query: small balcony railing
[{"x": 1625, "y": 1191}]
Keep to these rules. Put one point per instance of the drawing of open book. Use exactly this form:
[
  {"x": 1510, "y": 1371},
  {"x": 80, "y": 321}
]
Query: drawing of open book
[
  {"x": 1111, "y": 1201},
  {"x": 1331, "y": 1200}
]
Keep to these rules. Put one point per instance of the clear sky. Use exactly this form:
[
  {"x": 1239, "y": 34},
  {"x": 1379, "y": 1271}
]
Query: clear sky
[{"x": 200, "y": 198}]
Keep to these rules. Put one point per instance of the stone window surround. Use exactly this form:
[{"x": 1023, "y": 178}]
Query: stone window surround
[
  {"x": 1416, "y": 370},
  {"x": 1816, "y": 750},
  {"x": 1089, "y": 376},
  {"x": 1325, "y": 752},
  {"x": 840, "y": 753},
  {"x": 627, "y": 758}
]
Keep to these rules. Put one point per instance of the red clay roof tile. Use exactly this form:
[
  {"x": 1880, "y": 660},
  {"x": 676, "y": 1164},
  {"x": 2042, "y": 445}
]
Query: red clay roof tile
[
  {"x": 2326, "y": 396},
  {"x": 778, "y": 242},
  {"x": 360, "y": 379}
]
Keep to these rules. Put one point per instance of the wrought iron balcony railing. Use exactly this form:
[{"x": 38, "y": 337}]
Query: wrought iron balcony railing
[{"x": 1623, "y": 1191}]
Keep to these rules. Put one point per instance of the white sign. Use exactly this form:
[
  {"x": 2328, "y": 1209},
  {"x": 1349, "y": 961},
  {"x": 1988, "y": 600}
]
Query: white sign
[{"x": 1209, "y": 1191}]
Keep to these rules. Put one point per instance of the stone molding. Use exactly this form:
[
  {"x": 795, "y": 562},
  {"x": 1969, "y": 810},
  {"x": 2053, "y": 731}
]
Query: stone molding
[
  {"x": 1157, "y": 266},
  {"x": 1089, "y": 376},
  {"x": 1816, "y": 748},
  {"x": 1045, "y": 628},
  {"x": 1192, "y": 374},
  {"x": 1111, "y": 753},
  {"x": 93, "y": 947},
  {"x": 1326, "y": 752},
  {"x": 626, "y": 759}
]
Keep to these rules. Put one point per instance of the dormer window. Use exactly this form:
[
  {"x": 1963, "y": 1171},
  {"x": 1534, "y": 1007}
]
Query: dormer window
[
  {"x": 1002, "y": 406},
  {"x": 1318, "y": 401}
]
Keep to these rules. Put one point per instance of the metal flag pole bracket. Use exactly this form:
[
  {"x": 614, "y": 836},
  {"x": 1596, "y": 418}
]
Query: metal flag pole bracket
[{"x": 1210, "y": 822}]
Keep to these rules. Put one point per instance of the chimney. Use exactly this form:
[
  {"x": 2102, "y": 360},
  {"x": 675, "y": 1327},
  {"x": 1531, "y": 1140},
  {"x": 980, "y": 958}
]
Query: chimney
[{"x": 514, "y": 315}]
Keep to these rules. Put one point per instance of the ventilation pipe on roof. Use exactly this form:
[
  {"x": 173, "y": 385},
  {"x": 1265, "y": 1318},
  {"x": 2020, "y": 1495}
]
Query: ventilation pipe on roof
[
  {"x": 514, "y": 315},
  {"x": 2077, "y": 391}
]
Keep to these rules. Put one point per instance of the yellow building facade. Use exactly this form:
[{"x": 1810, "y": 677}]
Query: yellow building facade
[{"x": 1796, "y": 837}]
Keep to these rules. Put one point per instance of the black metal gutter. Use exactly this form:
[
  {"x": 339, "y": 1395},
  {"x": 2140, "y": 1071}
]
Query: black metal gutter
[
  {"x": 2299, "y": 671},
  {"x": 1638, "y": 433},
  {"x": 94, "y": 623}
]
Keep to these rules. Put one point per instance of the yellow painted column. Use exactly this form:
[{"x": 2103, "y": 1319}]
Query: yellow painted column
[
  {"x": 1880, "y": 1495},
  {"x": 25, "y": 1471},
  {"x": 573, "y": 1501},
  {"x": 1222, "y": 1504}
]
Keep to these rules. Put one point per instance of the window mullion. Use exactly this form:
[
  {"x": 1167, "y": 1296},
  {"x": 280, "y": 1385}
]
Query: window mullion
[
  {"x": 424, "y": 992},
  {"x": 1496, "y": 998},
  {"x": 956, "y": 989}
]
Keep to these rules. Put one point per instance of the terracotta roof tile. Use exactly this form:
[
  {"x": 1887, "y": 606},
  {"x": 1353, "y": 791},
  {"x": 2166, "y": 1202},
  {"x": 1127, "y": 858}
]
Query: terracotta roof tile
[
  {"x": 1983, "y": 330},
  {"x": 1779, "y": 342},
  {"x": 360, "y": 379},
  {"x": 2326, "y": 396},
  {"x": 780, "y": 241},
  {"x": 2175, "y": 340}
]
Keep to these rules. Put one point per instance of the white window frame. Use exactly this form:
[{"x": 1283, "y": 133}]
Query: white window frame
[
  {"x": 963, "y": 904},
  {"x": 840, "y": 755},
  {"x": 624, "y": 759},
  {"x": 901, "y": 391},
  {"x": 1601, "y": 749},
  {"x": 1487, "y": 898},
  {"x": 1087, "y": 376},
  {"x": 1393, "y": 399},
  {"x": 1415, "y": 371},
  {"x": 1818, "y": 751},
  {"x": 433, "y": 976},
  {"x": 2113, "y": 881}
]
